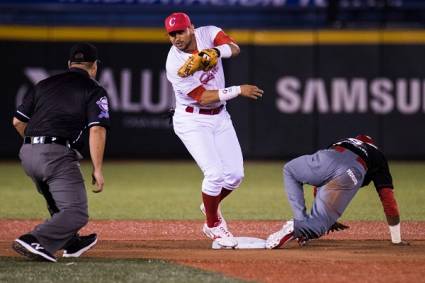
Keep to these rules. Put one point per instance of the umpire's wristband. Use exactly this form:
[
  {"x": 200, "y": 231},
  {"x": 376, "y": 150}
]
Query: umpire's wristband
[{"x": 229, "y": 92}]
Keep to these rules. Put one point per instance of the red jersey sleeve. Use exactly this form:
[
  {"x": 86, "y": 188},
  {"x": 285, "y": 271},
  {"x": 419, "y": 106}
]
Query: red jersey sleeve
[
  {"x": 222, "y": 38},
  {"x": 388, "y": 201}
]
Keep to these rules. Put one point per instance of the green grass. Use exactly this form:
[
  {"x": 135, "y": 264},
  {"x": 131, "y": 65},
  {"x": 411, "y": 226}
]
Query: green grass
[
  {"x": 103, "y": 270},
  {"x": 171, "y": 190}
]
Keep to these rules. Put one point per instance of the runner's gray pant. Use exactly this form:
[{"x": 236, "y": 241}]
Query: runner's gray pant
[
  {"x": 337, "y": 176},
  {"x": 56, "y": 172}
]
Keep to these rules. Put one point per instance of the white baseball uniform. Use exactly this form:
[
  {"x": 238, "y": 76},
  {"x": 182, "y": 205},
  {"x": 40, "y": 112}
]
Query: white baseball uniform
[{"x": 209, "y": 138}]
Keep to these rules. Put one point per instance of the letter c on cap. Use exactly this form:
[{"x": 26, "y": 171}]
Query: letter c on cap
[{"x": 172, "y": 22}]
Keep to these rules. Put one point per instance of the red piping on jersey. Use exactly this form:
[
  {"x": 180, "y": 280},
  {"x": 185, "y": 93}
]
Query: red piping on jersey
[
  {"x": 339, "y": 148},
  {"x": 362, "y": 162}
]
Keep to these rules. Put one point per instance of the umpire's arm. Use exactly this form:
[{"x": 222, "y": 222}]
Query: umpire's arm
[
  {"x": 19, "y": 126},
  {"x": 97, "y": 142},
  {"x": 24, "y": 112}
]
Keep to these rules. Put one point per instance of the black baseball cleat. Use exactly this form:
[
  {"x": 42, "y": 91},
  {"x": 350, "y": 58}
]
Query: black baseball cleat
[
  {"x": 28, "y": 245},
  {"x": 79, "y": 245}
]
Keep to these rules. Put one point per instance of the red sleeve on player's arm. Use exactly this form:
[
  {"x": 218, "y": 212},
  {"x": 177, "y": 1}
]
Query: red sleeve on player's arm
[
  {"x": 222, "y": 38},
  {"x": 197, "y": 93},
  {"x": 388, "y": 202}
]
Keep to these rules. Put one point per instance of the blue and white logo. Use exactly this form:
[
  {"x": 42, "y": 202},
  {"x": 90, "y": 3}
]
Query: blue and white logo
[{"x": 104, "y": 108}]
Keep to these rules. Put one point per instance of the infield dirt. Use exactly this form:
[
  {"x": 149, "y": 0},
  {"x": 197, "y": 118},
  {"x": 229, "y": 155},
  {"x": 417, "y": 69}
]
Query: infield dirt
[{"x": 361, "y": 254}]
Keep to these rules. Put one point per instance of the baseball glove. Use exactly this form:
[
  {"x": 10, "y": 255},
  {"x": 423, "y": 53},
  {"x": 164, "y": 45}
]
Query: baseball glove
[{"x": 204, "y": 60}]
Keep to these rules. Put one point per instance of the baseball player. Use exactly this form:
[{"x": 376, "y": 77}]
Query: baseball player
[
  {"x": 194, "y": 68},
  {"x": 338, "y": 172},
  {"x": 51, "y": 120}
]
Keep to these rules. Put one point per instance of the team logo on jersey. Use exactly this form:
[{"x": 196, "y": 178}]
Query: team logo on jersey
[
  {"x": 104, "y": 108},
  {"x": 207, "y": 76},
  {"x": 172, "y": 22}
]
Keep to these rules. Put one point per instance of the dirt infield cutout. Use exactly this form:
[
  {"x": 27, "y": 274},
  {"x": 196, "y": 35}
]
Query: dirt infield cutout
[{"x": 361, "y": 254}]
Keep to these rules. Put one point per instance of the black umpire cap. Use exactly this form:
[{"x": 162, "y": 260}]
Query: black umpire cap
[{"x": 83, "y": 52}]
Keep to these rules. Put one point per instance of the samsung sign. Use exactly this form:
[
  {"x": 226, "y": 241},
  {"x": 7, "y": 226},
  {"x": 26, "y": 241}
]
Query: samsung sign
[{"x": 356, "y": 95}]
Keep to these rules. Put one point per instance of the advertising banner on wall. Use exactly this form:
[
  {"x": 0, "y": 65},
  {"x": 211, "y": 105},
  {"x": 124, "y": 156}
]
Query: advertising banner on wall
[
  {"x": 134, "y": 77},
  {"x": 314, "y": 94},
  {"x": 327, "y": 92}
]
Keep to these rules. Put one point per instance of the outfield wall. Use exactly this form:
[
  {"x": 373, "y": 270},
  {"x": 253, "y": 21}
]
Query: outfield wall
[
  {"x": 319, "y": 86},
  {"x": 263, "y": 14}
]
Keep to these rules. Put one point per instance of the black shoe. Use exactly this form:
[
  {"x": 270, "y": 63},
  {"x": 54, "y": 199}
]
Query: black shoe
[
  {"x": 79, "y": 244},
  {"x": 28, "y": 245}
]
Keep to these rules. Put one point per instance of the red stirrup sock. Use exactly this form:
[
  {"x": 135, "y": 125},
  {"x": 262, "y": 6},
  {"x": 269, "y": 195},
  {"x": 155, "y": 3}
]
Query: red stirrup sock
[
  {"x": 224, "y": 193},
  {"x": 211, "y": 206}
]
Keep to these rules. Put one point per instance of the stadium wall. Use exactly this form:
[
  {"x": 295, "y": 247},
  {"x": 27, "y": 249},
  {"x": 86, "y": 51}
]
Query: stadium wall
[{"x": 319, "y": 86}]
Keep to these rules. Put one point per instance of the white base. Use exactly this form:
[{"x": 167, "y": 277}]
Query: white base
[{"x": 243, "y": 243}]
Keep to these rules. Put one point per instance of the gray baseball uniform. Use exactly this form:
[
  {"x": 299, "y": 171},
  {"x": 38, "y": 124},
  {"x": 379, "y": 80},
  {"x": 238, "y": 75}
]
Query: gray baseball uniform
[{"x": 337, "y": 175}]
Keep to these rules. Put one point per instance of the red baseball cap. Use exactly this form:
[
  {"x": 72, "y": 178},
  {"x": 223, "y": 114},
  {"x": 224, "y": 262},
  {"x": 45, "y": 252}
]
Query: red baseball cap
[
  {"x": 365, "y": 138},
  {"x": 177, "y": 21}
]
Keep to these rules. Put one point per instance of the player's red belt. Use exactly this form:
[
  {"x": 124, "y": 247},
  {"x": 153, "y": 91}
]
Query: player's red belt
[
  {"x": 204, "y": 111},
  {"x": 358, "y": 159}
]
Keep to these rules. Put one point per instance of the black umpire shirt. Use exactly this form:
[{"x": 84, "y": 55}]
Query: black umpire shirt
[{"x": 64, "y": 105}]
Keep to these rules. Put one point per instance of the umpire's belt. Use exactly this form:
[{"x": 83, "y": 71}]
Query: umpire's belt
[
  {"x": 46, "y": 140},
  {"x": 358, "y": 159},
  {"x": 204, "y": 111}
]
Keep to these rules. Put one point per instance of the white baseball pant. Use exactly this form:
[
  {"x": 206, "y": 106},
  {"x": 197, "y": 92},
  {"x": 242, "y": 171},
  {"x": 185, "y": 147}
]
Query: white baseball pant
[{"x": 212, "y": 142}]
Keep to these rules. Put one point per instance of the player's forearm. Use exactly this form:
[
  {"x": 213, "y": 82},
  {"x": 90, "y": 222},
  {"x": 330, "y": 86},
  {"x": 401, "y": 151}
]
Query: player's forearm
[
  {"x": 228, "y": 50},
  {"x": 223, "y": 94},
  {"x": 390, "y": 206},
  {"x": 391, "y": 211},
  {"x": 97, "y": 141},
  {"x": 208, "y": 97},
  {"x": 235, "y": 49},
  {"x": 19, "y": 126},
  {"x": 393, "y": 220}
]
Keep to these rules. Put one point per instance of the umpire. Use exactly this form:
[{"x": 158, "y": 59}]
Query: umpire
[{"x": 51, "y": 120}]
